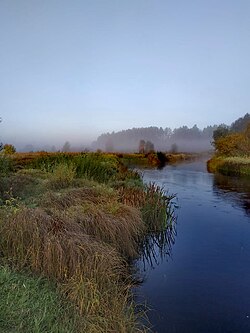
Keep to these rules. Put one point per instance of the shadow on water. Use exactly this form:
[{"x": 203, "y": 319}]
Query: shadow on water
[
  {"x": 157, "y": 247},
  {"x": 234, "y": 190}
]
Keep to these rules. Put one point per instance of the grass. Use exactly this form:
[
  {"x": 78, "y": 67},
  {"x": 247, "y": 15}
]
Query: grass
[
  {"x": 76, "y": 221},
  {"x": 33, "y": 304},
  {"x": 62, "y": 175},
  {"x": 230, "y": 166}
]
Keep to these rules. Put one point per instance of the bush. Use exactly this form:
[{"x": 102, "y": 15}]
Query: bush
[
  {"x": 62, "y": 176},
  {"x": 9, "y": 149},
  {"x": 6, "y": 165}
]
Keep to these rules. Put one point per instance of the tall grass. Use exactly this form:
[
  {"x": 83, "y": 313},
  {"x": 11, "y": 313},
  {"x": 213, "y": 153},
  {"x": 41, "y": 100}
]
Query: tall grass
[
  {"x": 90, "y": 272},
  {"x": 77, "y": 220},
  {"x": 98, "y": 167},
  {"x": 154, "y": 203},
  {"x": 62, "y": 176}
]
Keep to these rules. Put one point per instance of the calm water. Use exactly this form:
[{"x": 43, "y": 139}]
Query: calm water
[{"x": 204, "y": 285}]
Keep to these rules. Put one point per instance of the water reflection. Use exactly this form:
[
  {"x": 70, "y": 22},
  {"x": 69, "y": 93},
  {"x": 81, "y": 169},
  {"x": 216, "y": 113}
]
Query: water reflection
[
  {"x": 233, "y": 189},
  {"x": 205, "y": 286},
  {"x": 158, "y": 246}
]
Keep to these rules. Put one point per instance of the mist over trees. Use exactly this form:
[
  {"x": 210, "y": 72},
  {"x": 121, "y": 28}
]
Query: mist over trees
[
  {"x": 182, "y": 139},
  {"x": 156, "y": 138}
]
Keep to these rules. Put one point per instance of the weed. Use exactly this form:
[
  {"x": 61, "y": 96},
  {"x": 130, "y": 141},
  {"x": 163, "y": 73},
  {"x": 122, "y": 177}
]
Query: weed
[{"x": 62, "y": 176}]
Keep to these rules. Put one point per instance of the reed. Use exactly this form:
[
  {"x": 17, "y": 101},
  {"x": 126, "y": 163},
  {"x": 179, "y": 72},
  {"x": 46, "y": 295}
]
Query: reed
[{"x": 154, "y": 203}]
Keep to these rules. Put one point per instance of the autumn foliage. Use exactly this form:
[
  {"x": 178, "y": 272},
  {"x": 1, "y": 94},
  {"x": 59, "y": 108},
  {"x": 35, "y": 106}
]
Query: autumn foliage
[{"x": 234, "y": 144}]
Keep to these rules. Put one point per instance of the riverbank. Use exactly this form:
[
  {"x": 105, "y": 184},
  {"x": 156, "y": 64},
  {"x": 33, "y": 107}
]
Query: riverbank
[
  {"x": 153, "y": 159},
  {"x": 230, "y": 166},
  {"x": 74, "y": 221}
]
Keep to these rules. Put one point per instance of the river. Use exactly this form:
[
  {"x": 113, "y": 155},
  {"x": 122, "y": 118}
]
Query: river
[{"x": 203, "y": 284}]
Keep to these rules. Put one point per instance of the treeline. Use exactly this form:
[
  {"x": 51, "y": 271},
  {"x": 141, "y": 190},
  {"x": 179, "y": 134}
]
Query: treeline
[
  {"x": 180, "y": 139},
  {"x": 233, "y": 140}
]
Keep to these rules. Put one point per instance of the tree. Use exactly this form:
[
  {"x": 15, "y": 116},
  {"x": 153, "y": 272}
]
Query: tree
[
  {"x": 174, "y": 148},
  {"x": 241, "y": 124},
  {"x": 220, "y": 132},
  {"x": 229, "y": 145},
  {"x": 9, "y": 149},
  {"x": 149, "y": 147},
  {"x": 142, "y": 147},
  {"x": 109, "y": 146},
  {"x": 66, "y": 147}
]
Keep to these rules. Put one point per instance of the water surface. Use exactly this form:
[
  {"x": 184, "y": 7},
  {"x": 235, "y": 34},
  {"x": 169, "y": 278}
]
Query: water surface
[{"x": 204, "y": 285}]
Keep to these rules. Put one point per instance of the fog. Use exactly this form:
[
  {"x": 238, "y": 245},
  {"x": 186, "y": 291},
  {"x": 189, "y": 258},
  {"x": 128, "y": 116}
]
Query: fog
[
  {"x": 181, "y": 139},
  {"x": 132, "y": 146}
]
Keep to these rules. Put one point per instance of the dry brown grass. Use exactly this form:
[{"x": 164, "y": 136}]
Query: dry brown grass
[
  {"x": 72, "y": 249},
  {"x": 154, "y": 204},
  {"x": 118, "y": 225},
  {"x": 76, "y": 196},
  {"x": 132, "y": 196},
  {"x": 57, "y": 248},
  {"x": 100, "y": 216}
]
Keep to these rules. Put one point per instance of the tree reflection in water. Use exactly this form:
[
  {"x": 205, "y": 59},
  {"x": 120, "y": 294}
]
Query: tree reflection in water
[{"x": 234, "y": 189}]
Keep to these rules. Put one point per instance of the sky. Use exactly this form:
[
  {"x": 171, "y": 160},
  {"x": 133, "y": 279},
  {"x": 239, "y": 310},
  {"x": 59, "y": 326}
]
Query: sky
[{"x": 71, "y": 70}]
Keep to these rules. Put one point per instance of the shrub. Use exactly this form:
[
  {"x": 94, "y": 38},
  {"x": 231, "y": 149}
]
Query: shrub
[
  {"x": 61, "y": 176},
  {"x": 9, "y": 149},
  {"x": 6, "y": 165}
]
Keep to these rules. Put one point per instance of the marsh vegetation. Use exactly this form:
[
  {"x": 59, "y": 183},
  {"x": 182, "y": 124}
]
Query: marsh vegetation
[
  {"x": 69, "y": 225},
  {"x": 232, "y": 149}
]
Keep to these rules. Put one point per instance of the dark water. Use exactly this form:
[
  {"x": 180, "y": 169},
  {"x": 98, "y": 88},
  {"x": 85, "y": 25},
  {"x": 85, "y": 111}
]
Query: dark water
[{"x": 204, "y": 285}]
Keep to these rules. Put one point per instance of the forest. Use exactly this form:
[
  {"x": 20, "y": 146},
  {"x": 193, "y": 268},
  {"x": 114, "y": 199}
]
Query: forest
[{"x": 182, "y": 139}]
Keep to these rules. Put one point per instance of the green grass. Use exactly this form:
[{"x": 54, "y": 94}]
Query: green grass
[
  {"x": 33, "y": 305},
  {"x": 94, "y": 166}
]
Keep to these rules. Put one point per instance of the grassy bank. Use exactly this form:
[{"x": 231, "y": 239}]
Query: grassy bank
[
  {"x": 71, "y": 223},
  {"x": 157, "y": 159},
  {"x": 231, "y": 166},
  {"x": 153, "y": 159}
]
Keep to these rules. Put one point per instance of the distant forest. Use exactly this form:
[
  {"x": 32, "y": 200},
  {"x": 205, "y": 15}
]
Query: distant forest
[{"x": 182, "y": 139}]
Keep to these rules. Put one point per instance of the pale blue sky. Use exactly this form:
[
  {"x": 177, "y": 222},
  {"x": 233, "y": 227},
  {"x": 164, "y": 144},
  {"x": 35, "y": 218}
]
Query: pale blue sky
[{"x": 71, "y": 70}]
